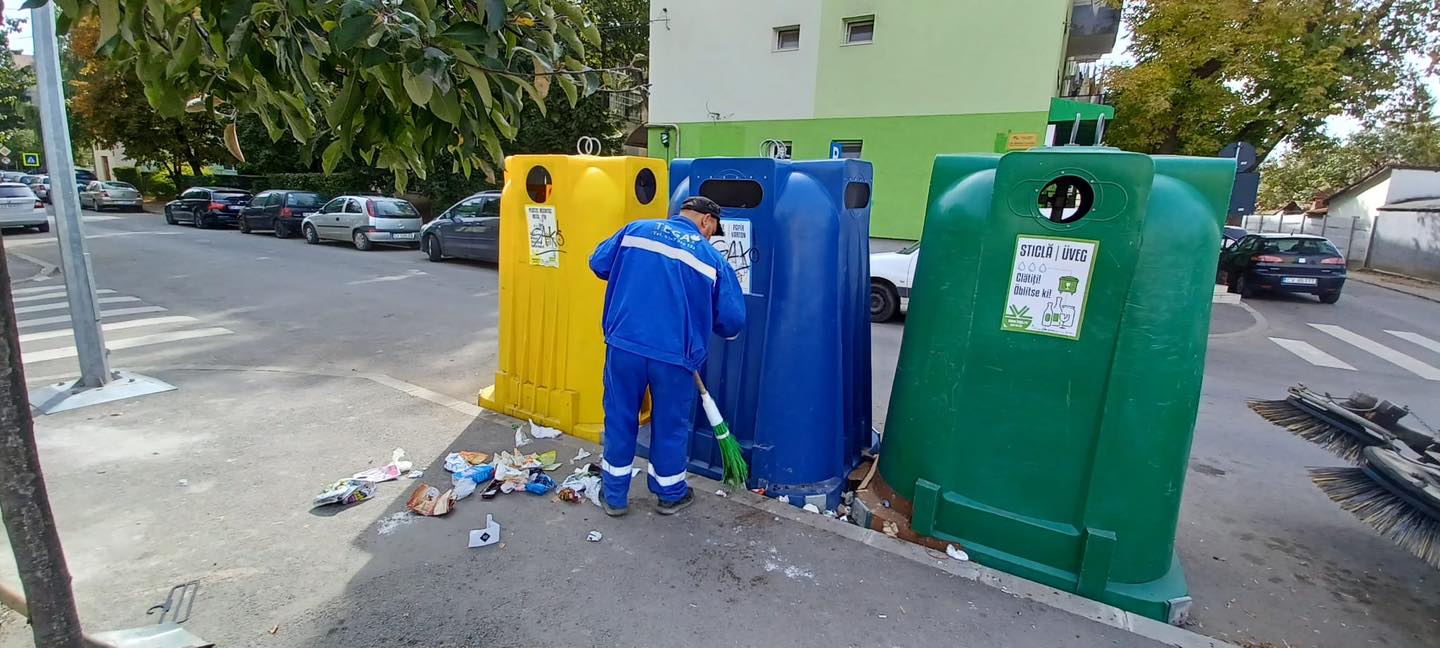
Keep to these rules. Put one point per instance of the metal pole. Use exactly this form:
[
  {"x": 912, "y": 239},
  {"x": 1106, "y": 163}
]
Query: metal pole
[
  {"x": 24, "y": 502},
  {"x": 74, "y": 259}
]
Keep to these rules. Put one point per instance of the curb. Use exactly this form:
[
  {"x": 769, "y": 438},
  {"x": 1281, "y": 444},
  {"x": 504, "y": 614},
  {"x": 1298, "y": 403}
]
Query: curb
[
  {"x": 1259, "y": 324},
  {"x": 46, "y": 269},
  {"x": 1404, "y": 290},
  {"x": 1007, "y": 583}
]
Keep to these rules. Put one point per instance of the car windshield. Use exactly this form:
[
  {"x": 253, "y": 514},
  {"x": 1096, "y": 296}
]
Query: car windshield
[
  {"x": 395, "y": 209},
  {"x": 231, "y": 197},
  {"x": 15, "y": 192},
  {"x": 118, "y": 185},
  {"x": 303, "y": 200},
  {"x": 909, "y": 248},
  {"x": 1298, "y": 246}
]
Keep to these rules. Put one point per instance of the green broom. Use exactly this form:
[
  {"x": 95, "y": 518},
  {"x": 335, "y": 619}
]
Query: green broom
[{"x": 736, "y": 472}]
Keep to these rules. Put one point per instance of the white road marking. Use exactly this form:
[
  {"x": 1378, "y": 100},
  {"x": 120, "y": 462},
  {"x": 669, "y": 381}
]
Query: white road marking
[
  {"x": 127, "y": 343},
  {"x": 33, "y": 242},
  {"x": 117, "y": 312},
  {"x": 21, "y": 300},
  {"x": 1417, "y": 339},
  {"x": 38, "y": 289},
  {"x": 1310, "y": 354},
  {"x": 113, "y": 326},
  {"x": 65, "y": 305},
  {"x": 1385, "y": 353},
  {"x": 410, "y": 274}
]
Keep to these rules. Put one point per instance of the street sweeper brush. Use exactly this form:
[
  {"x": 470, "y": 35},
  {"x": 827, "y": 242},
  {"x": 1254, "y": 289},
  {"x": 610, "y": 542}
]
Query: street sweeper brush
[
  {"x": 1345, "y": 427},
  {"x": 736, "y": 471},
  {"x": 1397, "y": 495}
]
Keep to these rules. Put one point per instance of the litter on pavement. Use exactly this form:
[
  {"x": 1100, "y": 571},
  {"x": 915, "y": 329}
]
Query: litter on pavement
[
  {"x": 579, "y": 456},
  {"x": 956, "y": 553},
  {"x": 457, "y": 461},
  {"x": 584, "y": 483},
  {"x": 428, "y": 500},
  {"x": 393, "y": 470},
  {"x": 486, "y": 536},
  {"x": 541, "y": 432},
  {"x": 520, "y": 439},
  {"x": 345, "y": 491},
  {"x": 594, "y": 536}
]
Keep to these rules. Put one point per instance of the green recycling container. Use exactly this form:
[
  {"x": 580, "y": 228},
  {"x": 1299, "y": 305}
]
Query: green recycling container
[{"x": 1049, "y": 377}]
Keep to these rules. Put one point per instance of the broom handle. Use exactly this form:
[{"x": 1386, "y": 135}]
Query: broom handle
[{"x": 699, "y": 383}]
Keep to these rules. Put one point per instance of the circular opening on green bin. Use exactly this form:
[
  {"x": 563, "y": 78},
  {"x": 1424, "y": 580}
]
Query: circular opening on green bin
[
  {"x": 645, "y": 186},
  {"x": 537, "y": 184},
  {"x": 1066, "y": 199}
]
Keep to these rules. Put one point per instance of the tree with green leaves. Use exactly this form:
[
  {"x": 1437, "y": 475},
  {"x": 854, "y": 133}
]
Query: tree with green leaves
[
  {"x": 15, "y": 83},
  {"x": 394, "y": 83},
  {"x": 1211, "y": 72},
  {"x": 109, "y": 101}
]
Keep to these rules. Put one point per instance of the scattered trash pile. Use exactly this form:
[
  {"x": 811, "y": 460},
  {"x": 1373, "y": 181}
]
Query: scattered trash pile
[{"x": 509, "y": 471}]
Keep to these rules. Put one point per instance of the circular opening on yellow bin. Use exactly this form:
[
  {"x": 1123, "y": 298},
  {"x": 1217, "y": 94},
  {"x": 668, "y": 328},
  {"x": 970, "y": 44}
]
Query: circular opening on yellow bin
[
  {"x": 537, "y": 184},
  {"x": 1066, "y": 199},
  {"x": 645, "y": 186}
]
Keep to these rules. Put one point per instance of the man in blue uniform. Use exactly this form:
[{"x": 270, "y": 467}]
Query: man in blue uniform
[{"x": 667, "y": 290}]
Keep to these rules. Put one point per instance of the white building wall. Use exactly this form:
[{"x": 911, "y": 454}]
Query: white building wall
[
  {"x": 1407, "y": 242},
  {"x": 1408, "y": 184},
  {"x": 1352, "y": 216},
  {"x": 736, "y": 36}
]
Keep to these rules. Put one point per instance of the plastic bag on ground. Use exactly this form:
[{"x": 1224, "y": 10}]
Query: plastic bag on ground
[
  {"x": 542, "y": 432},
  {"x": 346, "y": 491},
  {"x": 393, "y": 470}
]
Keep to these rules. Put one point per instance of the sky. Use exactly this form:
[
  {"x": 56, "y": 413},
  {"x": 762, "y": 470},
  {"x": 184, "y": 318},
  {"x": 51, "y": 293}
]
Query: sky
[{"x": 1338, "y": 125}]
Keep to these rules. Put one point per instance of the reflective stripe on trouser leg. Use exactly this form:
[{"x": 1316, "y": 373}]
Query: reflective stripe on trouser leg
[
  {"x": 672, "y": 421},
  {"x": 625, "y": 379}
]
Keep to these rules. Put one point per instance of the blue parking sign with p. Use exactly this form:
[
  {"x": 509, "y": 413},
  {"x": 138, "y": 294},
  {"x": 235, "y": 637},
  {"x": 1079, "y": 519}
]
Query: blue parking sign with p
[{"x": 30, "y": 159}]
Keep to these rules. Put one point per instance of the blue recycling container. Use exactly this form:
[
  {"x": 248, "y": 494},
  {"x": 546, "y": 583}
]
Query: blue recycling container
[{"x": 795, "y": 384}]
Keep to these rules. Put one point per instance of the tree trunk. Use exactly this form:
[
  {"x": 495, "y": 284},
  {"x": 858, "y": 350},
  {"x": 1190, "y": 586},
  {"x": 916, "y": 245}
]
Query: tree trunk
[{"x": 24, "y": 502}]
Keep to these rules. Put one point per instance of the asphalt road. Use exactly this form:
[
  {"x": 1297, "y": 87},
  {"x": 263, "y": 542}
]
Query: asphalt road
[{"x": 1269, "y": 559}]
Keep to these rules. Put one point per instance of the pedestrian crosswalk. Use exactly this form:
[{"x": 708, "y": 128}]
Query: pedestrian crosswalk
[
  {"x": 1353, "y": 348},
  {"x": 46, "y": 335}
]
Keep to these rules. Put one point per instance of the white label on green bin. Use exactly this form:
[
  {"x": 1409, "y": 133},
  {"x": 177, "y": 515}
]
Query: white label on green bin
[
  {"x": 1048, "y": 286},
  {"x": 736, "y": 247},
  {"x": 545, "y": 237}
]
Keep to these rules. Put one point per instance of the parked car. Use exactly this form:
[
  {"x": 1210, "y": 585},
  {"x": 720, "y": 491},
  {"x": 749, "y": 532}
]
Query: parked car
[
  {"x": 280, "y": 211},
  {"x": 108, "y": 194},
  {"x": 364, "y": 221},
  {"x": 1230, "y": 236},
  {"x": 84, "y": 177},
  {"x": 470, "y": 229},
  {"x": 20, "y": 208},
  {"x": 207, "y": 206},
  {"x": 1300, "y": 263},
  {"x": 891, "y": 276},
  {"x": 41, "y": 187},
  {"x": 11, "y": 176}
]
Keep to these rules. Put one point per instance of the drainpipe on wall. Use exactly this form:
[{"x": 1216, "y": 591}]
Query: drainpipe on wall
[{"x": 675, "y": 141}]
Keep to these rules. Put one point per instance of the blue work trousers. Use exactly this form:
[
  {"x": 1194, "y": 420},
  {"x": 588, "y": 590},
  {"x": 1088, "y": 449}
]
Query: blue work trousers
[{"x": 672, "y": 416}]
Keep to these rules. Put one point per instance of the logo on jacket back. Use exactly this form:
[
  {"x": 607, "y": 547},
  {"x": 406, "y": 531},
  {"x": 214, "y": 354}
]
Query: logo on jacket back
[{"x": 679, "y": 236}]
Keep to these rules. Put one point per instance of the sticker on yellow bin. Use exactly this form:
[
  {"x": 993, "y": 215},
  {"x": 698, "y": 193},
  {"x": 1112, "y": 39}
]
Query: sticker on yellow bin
[
  {"x": 1048, "y": 286},
  {"x": 546, "y": 240}
]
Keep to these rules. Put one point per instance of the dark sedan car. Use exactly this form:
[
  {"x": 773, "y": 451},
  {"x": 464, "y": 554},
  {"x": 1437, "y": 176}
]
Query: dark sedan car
[
  {"x": 279, "y": 210},
  {"x": 207, "y": 206},
  {"x": 1297, "y": 263},
  {"x": 469, "y": 230}
]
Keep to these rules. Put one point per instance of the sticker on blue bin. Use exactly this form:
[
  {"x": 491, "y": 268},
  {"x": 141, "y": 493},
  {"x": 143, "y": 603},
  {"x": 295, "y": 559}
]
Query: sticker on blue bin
[
  {"x": 1048, "y": 286},
  {"x": 737, "y": 248},
  {"x": 546, "y": 240}
]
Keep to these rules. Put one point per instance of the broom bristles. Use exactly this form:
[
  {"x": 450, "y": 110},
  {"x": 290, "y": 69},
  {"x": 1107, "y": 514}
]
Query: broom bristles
[
  {"x": 736, "y": 472},
  {"x": 1396, "y": 519},
  {"x": 1305, "y": 425}
]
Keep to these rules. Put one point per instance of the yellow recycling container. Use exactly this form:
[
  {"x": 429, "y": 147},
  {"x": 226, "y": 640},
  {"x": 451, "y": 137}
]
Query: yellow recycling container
[{"x": 554, "y": 211}]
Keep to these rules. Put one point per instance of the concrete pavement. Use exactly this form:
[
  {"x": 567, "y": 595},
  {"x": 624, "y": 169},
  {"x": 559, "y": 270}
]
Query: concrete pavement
[{"x": 212, "y": 482}]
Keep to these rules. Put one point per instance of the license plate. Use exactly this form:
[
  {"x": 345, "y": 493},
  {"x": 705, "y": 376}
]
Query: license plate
[
  {"x": 233, "y": 208},
  {"x": 1299, "y": 281},
  {"x": 404, "y": 236}
]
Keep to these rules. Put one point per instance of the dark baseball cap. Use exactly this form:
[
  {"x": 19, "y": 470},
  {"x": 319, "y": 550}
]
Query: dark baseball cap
[{"x": 705, "y": 206}]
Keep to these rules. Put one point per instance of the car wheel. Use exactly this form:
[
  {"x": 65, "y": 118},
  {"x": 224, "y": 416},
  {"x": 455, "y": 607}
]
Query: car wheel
[
  {"x": 198, "y": 220},
  {"x": 431, "y": 247},
  {"x": 362, "y": 242},
  {"x": 45, "y": 227},
  {"x": 311, "y": 236},
  {"x": 1330, "y": 298},
  {"x": 884, "y": 302},
  {"x": 169, "y": 217},
  {"x": 1242, "y": 286},
  {"x": 279, "y": 229},
  {"x": 244, "y": 225}
]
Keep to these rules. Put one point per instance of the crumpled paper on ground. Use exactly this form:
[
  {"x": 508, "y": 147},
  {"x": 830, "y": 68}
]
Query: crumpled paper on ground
[
  {"x": 585, "y": 482},
  {"x": 428, "y": 500},
  {"x": 393, "y": 470},
  {"x": 542, "y": 432}
]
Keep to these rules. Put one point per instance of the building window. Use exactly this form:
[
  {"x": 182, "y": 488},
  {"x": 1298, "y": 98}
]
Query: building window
[
  {"x": 787, "y": 39},
  {"x": 778, "y": 149},
  {"x": 846, "y": 149},
  {"x": 860, "y": 30}
]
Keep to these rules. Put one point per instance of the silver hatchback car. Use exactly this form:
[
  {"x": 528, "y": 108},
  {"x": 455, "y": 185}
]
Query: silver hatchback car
[
  {"x": 365, "y": 221},
  {"x": 101, "y": 195}
]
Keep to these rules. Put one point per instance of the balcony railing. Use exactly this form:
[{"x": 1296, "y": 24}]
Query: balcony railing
[{"x": 1083, "y": 81}]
